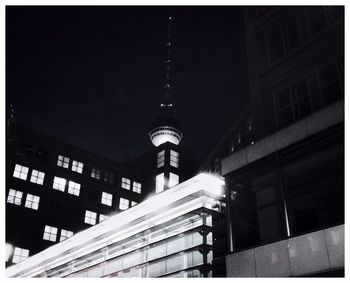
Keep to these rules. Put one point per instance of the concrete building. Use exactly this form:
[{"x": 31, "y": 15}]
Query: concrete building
[{"x": 285, "y": 182}]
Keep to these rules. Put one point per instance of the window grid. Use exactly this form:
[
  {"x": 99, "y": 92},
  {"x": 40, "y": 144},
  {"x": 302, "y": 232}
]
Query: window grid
[
  {"x": 20, "y": 172},
  {"x": 90, "y": 217},
  {"x": 65, "y": 234},
  {"x": 160, "y": 158},
  {"x": 292, "y": 103},
  {"x": 283, "y": 38},
  {"x": 32, "y": 202},
  {"x": 63, "y": 161},
  {"x": 59, "y": 184},
  {"x": 77, "y": 166},
  {"x": 96, "y": 173},
  {"x": 50, "y": 233},
  {"x": 174, "y": 158},
  {"x": 74, "y": 188},
  {"x": 136, "y": 187},
  {"x": 126, "y": 183},
  {"x": 123, "y": 204},
  {"x": 106, "y": 198},
  {"x": 37, "y": 177},
  {"x": 15, "y": 197},
  {"x": 19, "y": 255}
]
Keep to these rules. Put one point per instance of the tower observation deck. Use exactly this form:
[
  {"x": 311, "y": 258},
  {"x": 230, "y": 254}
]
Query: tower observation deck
[{"x": 166, "y": 128}]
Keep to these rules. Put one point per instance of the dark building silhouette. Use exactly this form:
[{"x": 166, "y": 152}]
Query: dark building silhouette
[{"x": 283, "y": 158}]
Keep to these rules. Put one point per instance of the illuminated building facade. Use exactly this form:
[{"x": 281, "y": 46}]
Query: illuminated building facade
[
  {"x": 171, "y": 234},
  {"x": 55, "y": 190}
]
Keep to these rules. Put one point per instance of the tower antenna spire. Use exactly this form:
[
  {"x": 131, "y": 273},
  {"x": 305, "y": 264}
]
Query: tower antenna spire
[{"x": 167, "y": 85}]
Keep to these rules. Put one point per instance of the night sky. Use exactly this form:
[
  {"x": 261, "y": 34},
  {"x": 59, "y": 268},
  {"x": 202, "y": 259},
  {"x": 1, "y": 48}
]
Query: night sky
[{"x": 93, "y": 76}]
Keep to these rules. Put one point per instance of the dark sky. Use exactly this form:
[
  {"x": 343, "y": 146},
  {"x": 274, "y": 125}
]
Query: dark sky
[{"x": 93, "y": 76}]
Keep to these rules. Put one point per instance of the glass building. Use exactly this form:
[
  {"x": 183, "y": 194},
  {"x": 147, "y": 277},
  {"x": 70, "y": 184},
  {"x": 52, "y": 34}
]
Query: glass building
[{"x": 173, "y": 234}]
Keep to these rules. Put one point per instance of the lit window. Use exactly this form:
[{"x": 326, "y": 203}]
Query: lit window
[
  {"x": 133, "y": 203},
  {"x": 73, "y": 188},
  {"x": 63, "y": 161},
  {"x": 15, "y": 197},
  {"x": 19, "y": 255},
  {"x": 77, "y": 166},
  {"x": 160, "y": 182},
  {"x": 108, "y": 177},
  {"x": 136, "y": 187},
  {"x": 37, "y": 177},
  {"x": 50, "y": 233},
  {"x": 102, "y": 217},
  {"x": 174, "y": 158},
  {"x": 32, "y": 201},
  {"x": 160, "y": 158},
  {"x": 65, "y": 234},
  {"x": 59, "y": 184},
  {"x": 90, "y": 217},
  {"x": 106, "y": 199},
  {"x": 123, "y": 204},
  {"x": 126, "y": 183},
  {"x": 96, "y": 173},
  {"x": 173, "y": 180},
  {"x": 20, "y": 172}
]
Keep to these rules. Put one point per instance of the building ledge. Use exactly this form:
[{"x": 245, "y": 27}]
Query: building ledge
[{"x": 298, "y": 131}]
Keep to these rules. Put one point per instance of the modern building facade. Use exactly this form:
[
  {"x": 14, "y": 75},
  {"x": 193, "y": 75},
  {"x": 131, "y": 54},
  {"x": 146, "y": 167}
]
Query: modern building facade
[
  {"x": 172, "y": 234},
  {"x": 55, "y": 190}
]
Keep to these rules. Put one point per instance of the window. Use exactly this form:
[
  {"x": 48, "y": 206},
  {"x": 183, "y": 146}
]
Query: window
[
  {"x": 32, "y": 201},
  {"x": 282, "y": 39},
  {"x": 331, "y": 86},
  {"x": 73, "y": 188},
  {"x": 174, "y": 158},
  {"x": 37, "y": 177},
  {"x": 65, "y": 234},
  {"x": 14, "y": 197},
  {"x": 50, "y": 233},
  {"x": 20, "y": 172},
  {"x": 123, "y": 204},
  {"x": 126, "y": 183},
  {"x": 173, "y": 180},
  {"x": 107, "y": 199},
  {"x": 292, "y": 103},
  {"x": 19, "y": 255},
  {"x": 96, "y": 173},
  {"x": 160, "y": 158},
  {"x": 133, "y": 203},
  {"x": 102, "y": 218},
  {"x": 59, "y": 184},
  {"x": 90, "y": 217},
  {"x": 63, "y": 161},
  {"x": 160, "y": 182},
  {"x": 77, "y": 166},
  {"x": 321, "y": 17},
  {"x": 108, "y": 177},
  {"x": 136, "y": 187}
]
